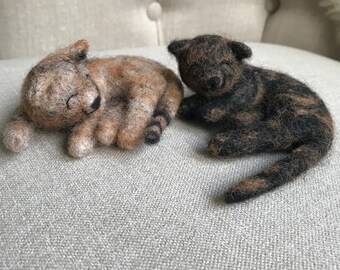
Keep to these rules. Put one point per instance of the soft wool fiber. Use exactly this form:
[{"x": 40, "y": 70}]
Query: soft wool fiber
[
  {"x": 122, "y": 100},
  {"x": 257, "y": 110}
]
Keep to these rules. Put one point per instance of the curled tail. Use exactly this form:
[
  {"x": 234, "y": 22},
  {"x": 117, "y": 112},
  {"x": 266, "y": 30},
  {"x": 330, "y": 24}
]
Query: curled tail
[
  {"x": 166, "y": 109},
  {"x": 281, "y": 172}
]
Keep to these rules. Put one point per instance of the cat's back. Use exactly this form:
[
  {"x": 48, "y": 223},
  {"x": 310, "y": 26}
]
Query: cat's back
[{"x": 289, "y": 100}]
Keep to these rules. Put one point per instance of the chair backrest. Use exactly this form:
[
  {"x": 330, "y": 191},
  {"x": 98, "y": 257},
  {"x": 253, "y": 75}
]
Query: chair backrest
[
  {"x": 302, "y": 24},
  {"x": 36, "y": 27}
]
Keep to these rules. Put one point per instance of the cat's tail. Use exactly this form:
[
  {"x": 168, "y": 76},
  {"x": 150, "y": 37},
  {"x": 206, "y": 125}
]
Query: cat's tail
[
  {"x": 298, "y": 161},
  {"x": 167, "y": 107}
]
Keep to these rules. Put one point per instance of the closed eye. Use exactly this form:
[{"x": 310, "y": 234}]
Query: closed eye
[
  {"x": 226, "y": 67},
  {"x": 69, "y": 100}
]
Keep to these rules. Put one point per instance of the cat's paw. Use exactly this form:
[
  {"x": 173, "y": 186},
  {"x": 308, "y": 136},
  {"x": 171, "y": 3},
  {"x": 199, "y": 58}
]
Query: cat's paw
[
  {"x": 17, "y": 136},
  {"x": 128, "y": 140},
  {"x": 80, "y": 147},
  {"x": 106, "y": 136},
  {"x": 185, "y": 112}
]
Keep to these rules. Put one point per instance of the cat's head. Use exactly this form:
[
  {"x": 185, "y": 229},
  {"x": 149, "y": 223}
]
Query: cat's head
[
  {"x": 58, "y": 91},
  {"x": 209, "y": 64}
]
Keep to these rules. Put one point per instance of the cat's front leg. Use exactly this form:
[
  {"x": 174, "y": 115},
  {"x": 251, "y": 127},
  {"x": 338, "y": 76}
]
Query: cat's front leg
[
  {"x": 110, "y": 122},
  {"x": 18, "y": 132},
  {"x": 213, "y": 112},
  {"x": 189, "y": 106},
  {"x": 82, "y": 138}
]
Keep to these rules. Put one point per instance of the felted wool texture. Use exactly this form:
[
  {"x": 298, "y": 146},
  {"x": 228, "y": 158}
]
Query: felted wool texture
[
  {"x": 254, "y": 110},
  {"x": 155, "y": 208},
  {"x": 118, "y": 100}
]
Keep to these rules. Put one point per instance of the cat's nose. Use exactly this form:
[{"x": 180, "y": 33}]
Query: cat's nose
[
  {"x": 92, "y": 107},
  {"x": 214, "y": 82},
  {"x": 96, "y": 103}
]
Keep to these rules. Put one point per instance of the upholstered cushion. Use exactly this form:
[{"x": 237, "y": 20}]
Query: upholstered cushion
[
  {"x": 302, "y": 24},
  {"x": 242, "y": 19},
  {"x": 158, "y": 207},
  {"x": 35, "y": 27}
]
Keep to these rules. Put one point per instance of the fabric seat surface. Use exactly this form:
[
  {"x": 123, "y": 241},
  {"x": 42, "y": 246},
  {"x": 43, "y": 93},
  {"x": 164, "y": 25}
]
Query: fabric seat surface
[{"x": 159, "y": 207}]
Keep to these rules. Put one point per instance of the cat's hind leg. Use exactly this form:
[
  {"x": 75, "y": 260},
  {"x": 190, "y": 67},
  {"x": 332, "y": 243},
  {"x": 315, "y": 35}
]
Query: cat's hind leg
[
  {"x": 141, "y": 103},
  {"x": 166, "y": 109},
  {"x": 248, "y": 139},
  {"x": 109, "y": 123}
]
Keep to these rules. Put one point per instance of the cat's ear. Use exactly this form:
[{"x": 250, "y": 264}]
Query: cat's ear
[
  {"x": 75, "y": 52},
  {"x": 78, "y": 50},
  {"x": 18, "y": 132},
  {"x": 176, "y": 47},
  {"x": 240, "y": 50}
]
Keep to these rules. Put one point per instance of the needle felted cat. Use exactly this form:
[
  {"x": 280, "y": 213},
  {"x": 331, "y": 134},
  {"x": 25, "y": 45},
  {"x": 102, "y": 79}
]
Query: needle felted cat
[
  {"x": 122, "y": 99},
  {"x": 260, "y": 110}
]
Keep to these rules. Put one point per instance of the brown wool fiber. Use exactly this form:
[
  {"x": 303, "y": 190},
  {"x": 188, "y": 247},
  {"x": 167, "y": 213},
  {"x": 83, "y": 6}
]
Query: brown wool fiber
[
  {"x": 119, "y": 100},
  {"x": 256, "y": 109}
]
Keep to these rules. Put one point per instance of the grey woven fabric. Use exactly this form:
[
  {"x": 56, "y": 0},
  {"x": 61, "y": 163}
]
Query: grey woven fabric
[{"x": 158, "y": 207}]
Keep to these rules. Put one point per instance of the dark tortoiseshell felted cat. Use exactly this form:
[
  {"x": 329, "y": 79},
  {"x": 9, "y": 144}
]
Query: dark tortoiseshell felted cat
[{"x": 259, "y": 110}]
